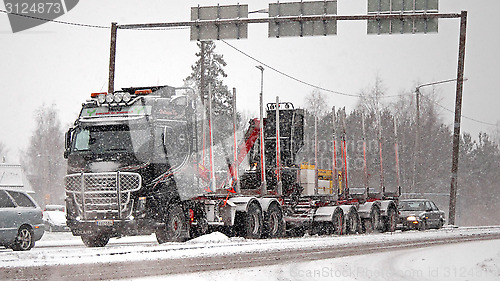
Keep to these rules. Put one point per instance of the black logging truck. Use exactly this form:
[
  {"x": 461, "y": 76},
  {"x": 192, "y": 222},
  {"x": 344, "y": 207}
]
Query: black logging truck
[{"x": 143, "y": 160}]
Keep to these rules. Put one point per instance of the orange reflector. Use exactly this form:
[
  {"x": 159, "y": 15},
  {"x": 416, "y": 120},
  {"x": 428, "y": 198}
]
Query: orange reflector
[
  {"x": 143, "y": 92},
  {"x": 95, "y": 95},
  {"x": 415, "y": 222}
]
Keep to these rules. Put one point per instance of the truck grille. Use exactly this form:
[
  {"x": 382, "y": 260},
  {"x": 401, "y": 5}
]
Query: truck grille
[{"x": 103, "y": 196}]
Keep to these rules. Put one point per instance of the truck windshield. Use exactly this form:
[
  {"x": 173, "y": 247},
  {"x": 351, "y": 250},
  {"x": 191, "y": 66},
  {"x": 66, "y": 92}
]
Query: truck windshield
[{"x": 105, "y": 139}]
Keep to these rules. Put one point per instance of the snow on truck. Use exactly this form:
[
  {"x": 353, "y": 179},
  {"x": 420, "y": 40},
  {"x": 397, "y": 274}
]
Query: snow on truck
[{"x": 143, "y": 160}]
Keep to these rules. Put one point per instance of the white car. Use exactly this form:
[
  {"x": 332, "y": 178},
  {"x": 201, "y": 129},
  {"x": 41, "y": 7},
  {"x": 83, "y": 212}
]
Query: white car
[{"x": 55, "y": 221}]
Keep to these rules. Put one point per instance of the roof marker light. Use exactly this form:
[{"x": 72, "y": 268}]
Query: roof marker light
[
  {"x": 95, "y": 95},
  {"x": 143, "y": 92}
]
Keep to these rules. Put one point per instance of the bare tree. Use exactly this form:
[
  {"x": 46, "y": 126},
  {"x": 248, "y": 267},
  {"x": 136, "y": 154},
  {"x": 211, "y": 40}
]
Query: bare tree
[
  {"x": 317, "y": 103},
  {"x": 43, "y": 160},
  {"x": 371, "y": 99}
]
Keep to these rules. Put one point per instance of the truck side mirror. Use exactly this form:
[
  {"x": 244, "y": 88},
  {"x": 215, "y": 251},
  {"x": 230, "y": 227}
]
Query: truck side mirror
[{"x": 67, "y": 142}]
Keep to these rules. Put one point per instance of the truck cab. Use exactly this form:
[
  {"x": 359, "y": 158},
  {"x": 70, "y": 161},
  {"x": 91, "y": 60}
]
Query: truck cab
[{"x": 122, "y": 152}]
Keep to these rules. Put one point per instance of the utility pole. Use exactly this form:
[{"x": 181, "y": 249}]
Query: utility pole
[
  {"x": 112, "y": 58},
  {"x": 458, "y": 114}
]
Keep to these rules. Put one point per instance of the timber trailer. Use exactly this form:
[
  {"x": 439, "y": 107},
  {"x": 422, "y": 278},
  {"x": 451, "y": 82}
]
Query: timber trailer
[{"x": 146, "y": 160}]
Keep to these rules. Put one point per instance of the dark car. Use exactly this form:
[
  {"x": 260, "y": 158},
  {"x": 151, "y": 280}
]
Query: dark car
[
  {"x": 419, "y": 214},
  {"x": 20, "y": 220}
]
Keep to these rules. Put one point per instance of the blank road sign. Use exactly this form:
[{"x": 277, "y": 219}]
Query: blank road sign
[
  {"x": 233, "y": 30},
  {"x": 402, "y": 7},
  {"x": 302, "y": 28}
]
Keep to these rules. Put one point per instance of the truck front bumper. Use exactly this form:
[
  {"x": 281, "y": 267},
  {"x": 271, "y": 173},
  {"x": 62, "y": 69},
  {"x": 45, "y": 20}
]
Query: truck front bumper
[{"x": 115, "y": 228}]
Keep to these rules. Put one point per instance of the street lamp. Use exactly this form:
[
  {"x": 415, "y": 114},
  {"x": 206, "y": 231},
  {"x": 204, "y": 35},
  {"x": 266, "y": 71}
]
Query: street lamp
[
  {"x": 263, "y": 186},
  {"x": 417, "y": 133}
]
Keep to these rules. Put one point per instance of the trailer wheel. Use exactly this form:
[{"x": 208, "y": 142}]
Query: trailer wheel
[
  {"x": 390, "y": 220},
  {"x": 250, "y": 224},
  {"x": 353, "y": 222},
  {"x": 338, "y": 222},
  {"x": 175, "y": 226},
  {"x": 95, "y": 240},
  {"x": 274, "y": 226},
  {"x": 372, "y": 224}
]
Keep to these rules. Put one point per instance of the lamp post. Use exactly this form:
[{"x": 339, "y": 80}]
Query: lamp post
[
  {"x": 417, "y": 138},
  {"x": 263, "y": 186}
]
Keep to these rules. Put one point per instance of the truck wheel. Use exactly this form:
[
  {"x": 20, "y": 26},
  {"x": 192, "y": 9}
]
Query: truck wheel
[
  {"x": 390, "y": 220},
  {"x": 353, "y": 222},
  {"x": 249, "y": 224},
  {"x": 175, "y": 226},
  {"x": 273, "y": 222},
  {"x": 372, "y": 224},
  {"x": 338, "y": 222},
  {"x": 24, "y": 240},
  {"x": 95, "y": 240}
]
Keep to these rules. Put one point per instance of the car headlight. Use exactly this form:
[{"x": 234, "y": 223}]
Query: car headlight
[{"x": 411, "y": 218}]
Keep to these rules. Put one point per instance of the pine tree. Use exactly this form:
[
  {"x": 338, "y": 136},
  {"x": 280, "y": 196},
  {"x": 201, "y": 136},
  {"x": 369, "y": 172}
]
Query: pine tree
[{"x": 212, "y": 66}]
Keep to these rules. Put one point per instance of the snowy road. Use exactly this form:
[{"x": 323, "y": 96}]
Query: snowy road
[
  {"x": 60, "y": 256},
  {"x": 476, "y": 260}
]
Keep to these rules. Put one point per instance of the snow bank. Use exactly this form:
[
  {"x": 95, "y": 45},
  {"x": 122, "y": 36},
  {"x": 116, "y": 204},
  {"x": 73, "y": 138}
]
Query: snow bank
[{"x": 214, "y": 237}]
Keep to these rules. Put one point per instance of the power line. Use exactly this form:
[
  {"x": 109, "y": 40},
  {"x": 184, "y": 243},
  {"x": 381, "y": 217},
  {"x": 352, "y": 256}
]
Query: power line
[
  {"x": 245, "y": 54},
  {"x": 463, "y": 116},
  {"x": 344, "y": 94},
  {"x": 56, "y": 21},
  {"x": 289, "y": 76},
  {"x": 86, "y": 25}
]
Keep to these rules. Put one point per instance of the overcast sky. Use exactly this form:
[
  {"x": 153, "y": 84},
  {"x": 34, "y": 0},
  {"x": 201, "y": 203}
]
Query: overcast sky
[{"x": 62, "y": 64}]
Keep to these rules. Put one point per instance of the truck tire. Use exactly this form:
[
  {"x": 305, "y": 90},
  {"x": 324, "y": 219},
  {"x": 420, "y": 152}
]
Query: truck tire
[
  {"x": 274, "y": 225},
  {"x": 338, "y": 222},
  {"x": 390, "y": 221},
  {"x": 24, "y": 240},
  {"x": 174, "y": 226},
  {"x": 352, "y": 222},
  {"x": 95, "y": 240},
  {"x": 372, "y": 224},
  {"x": 250, "y": 224}
]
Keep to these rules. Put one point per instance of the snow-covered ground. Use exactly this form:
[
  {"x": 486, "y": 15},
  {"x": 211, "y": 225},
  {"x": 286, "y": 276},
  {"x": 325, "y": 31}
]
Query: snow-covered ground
[
  {"x": 478, "y": 260},
  {"x": 62, "y": 248}
]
